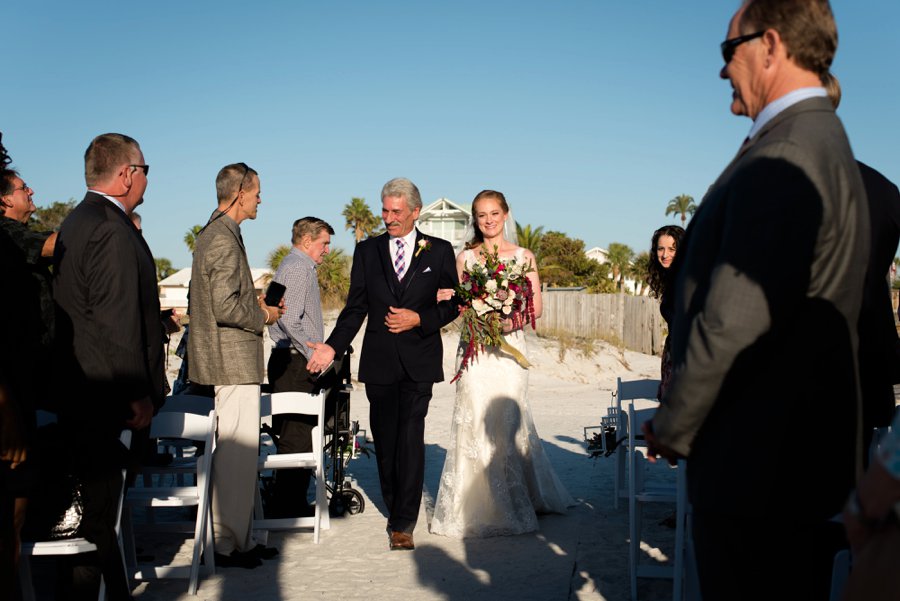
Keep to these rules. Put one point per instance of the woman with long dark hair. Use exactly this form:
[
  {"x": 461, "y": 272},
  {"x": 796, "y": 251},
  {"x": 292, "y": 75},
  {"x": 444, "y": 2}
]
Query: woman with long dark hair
[{"x": 661, "y": 278}]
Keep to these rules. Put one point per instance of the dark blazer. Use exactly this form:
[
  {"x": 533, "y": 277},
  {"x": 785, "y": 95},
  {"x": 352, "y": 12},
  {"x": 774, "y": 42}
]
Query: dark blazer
[
  {"x": 764, "y": 396},
  {"x": 879, "y": 347},
  {"x": 108, "y": 324},
  {"x": 374, "y": 287}
]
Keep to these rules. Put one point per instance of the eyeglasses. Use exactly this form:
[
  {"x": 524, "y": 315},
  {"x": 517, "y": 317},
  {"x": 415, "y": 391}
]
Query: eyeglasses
[
  {"x": 730, "y": 46},
  {"x": 24, "y": 186},
  {"x": 146, "y": 168}
]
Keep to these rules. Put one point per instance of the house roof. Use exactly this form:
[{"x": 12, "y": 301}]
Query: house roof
[{"x": 442, "y": 207}]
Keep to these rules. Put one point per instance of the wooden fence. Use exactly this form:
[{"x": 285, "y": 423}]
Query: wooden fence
[{"x": 632, "y": 321}]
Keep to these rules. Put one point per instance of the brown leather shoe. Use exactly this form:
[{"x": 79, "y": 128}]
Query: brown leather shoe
[{"x": 401, "y": 541}]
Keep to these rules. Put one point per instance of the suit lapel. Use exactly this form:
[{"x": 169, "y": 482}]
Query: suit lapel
[
  {"x": 413, "y": 264},
  {"x": 386, "y": 265}
]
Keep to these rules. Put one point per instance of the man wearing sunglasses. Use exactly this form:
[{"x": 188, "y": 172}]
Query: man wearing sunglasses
[
  {"x": 225, "y": 350},
  {"x": 109, "y": 332},
  {"x": 764, "y": 335}
]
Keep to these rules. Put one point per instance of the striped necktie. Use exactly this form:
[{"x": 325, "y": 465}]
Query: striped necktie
[{"x": 399, "y": 262}]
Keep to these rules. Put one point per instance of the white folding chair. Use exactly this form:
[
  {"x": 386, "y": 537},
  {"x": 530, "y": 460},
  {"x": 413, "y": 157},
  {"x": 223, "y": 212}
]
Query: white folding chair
[
  {"x": 183, "y": 426},
  {"x": 280, "y": 403},
  {"x": 626, "y": 391},
  {"x": 640, "y": 492},
  {"x": 68, "y": 546}
]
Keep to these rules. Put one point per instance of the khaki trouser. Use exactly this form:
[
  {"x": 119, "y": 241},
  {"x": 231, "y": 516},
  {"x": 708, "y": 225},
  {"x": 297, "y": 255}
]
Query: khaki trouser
[{"x": 234, "y": 477}]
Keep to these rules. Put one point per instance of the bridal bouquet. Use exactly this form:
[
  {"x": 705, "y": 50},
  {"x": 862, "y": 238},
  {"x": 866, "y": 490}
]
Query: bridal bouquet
[{"x": 490, "y": 292}]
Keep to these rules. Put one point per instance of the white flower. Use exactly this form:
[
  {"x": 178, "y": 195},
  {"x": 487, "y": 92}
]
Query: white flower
[
  {"x": 506, "y": 309},
  {"x": 504, "y": 284},
  {"x": 480, "y": 306},
  {"x": 491, "y": 286}
]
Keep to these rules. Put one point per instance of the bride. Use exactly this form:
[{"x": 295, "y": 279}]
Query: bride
[{"x": 496, "y": 476}]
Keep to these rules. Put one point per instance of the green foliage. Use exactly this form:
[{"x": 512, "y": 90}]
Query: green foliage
[
  {"x": 683, "y": 205},
  {"x": 50, "y": 218},
  {"x": 163, "y": 268},
  {"x": 619, "y": 257},
  {"x": 360, "y": 219},
  {"x": 334, "y": 278},
  {"x": 190, "y": 238},
  {"x": 638, "y": 271},
  {"x": 562, "y": 262},
  {"x": 530, "y": 238},
  {"x": 277, "y": 256}
]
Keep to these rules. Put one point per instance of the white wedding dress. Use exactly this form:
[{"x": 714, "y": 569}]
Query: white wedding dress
[{"x": 496, "y": 476}]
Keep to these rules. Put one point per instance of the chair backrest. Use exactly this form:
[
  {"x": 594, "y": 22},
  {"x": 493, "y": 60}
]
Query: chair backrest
[
  {"x": 636, "y": 418},
  {"x": 188, "y": 403},
  {"x": 628, "y": 390},
  {"x": 304, "y": 403},
  {"x": 180, "y": 424}
]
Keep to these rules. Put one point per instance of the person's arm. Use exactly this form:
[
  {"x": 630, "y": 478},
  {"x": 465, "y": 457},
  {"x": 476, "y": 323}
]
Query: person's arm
[
  {"x": 298, "y": 281},
  {"x": 112, "y": 268},
  {"x": 434, "y": 317},
  {"x": 229, "y": 307},
  {"x": 770, "y": 212}
]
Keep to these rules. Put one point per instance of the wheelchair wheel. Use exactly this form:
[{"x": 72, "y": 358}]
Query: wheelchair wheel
[{"x": 353, "y": 501}]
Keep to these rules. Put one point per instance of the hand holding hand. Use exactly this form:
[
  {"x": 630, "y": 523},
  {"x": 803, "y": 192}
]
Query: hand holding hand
[
  {"x": 445, "y": 294},
  {"x": 322, "y": 357},
  {"x": 401, "y": 320}
]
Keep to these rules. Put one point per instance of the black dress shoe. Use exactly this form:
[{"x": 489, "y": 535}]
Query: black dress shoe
[
  {"x": 237, "y": 560},
  {"x": 263, "y": 552}
]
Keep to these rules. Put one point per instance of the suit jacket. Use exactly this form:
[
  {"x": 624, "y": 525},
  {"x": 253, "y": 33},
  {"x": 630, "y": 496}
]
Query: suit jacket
[
  {"x": 764, "y": 397},
  {"x": 109, "y": 331},
  {"x": 879, "y": 347},
  {"x": 225, "y": 341},
  {"x": 374, "y": 287}
]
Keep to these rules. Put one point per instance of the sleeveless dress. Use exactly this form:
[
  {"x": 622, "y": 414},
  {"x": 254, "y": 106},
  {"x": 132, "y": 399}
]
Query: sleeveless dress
[{"x": 496, "y": 476}]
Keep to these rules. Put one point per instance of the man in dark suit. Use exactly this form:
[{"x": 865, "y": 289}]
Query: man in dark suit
[
  {"x": 394, "y": 283},
  {"x": 764, "y": 335},
  {"x": 110, "y": 336}
]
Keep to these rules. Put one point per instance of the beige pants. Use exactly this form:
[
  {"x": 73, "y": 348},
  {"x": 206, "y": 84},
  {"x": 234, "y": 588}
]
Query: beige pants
[{"x": 234, "y": 466}]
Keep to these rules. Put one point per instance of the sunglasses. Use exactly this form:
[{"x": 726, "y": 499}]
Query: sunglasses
[
  {"x": 146, "y": 168},
  {"x": 730, "y": 46}
]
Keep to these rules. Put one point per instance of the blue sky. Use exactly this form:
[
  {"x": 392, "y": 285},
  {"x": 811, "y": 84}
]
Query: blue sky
[{"x": 588, "y": 115}]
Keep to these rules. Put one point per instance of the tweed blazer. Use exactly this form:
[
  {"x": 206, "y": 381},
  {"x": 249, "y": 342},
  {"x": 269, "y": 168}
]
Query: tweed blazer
[
  {"x": 764, "y": 337},
  {"x": 225, "y": 344}
]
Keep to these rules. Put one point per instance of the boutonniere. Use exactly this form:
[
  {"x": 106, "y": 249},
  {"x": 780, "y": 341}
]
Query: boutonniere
[{"x": 423, "y": 244}]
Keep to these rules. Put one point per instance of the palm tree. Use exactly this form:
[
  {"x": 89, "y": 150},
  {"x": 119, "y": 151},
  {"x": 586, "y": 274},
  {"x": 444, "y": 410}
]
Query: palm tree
[
  {"x": 360, "y": 219},
  {"x": 190, "y": 238},
  {"x": 683, "y": 205},
  {"x": 163, "y": 268},
  {"x": 530, "y": 238},
  {"x": 334, "y": 278},
  {"x": 277, "y": 256},
  {"x": 619, "y": 258},
  {"x": 640, "y": 267}
]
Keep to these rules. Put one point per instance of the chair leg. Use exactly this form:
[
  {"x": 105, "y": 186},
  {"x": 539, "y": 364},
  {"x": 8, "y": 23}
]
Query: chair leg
[{"x": 25, "y": 581}]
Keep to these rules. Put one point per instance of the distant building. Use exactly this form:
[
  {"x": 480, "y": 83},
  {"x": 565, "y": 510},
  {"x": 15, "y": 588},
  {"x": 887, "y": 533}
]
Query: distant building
[
  {"x": 444, "y": 219},
  {"x": 173, "y": 290},
  {"x": 601, "y": 255}
]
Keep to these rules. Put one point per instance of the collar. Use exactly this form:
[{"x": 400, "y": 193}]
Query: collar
[
  {"x": 771, "y": 110},
  {"x": 110, "y": 199},
  {"x": 303, "y": 257},
  {"x": 409, "y": 239}
]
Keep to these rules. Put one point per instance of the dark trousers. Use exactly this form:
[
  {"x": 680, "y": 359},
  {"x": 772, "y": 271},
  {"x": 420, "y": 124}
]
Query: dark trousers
[
  {"x": 397, "y": 417},
  {"x": 287, "y": 373},
  {"x": 758, "y": 557}
]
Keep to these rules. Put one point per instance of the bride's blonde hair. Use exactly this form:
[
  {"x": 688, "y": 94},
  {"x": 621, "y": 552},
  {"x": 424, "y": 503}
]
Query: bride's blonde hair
[{"x": 478, "y": 237}]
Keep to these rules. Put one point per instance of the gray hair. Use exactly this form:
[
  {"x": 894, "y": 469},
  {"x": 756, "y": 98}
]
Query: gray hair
[
  {"x": 402, "y": 187},
  {"x": 309, "y": 226}
]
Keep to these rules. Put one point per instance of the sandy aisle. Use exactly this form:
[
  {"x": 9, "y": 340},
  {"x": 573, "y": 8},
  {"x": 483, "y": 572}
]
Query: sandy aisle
[{"x": 582, "y": 555}]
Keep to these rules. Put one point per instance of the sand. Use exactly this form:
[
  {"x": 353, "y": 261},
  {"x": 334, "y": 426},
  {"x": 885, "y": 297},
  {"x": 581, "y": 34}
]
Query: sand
[{"x": 578, "y": 556}]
